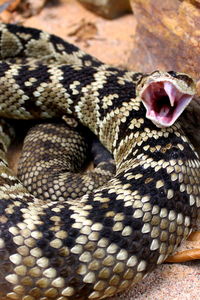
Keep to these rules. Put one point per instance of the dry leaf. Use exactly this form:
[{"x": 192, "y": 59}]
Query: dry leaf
[
  {"x": 31, "y": 7},
  {"x": 84, "y": 31},
  {"x": 14, "y": 5},
  {"x": 4, "y": 5},
  {"x": 184, "y": 256},
  {"x": 194, "y": 236}
]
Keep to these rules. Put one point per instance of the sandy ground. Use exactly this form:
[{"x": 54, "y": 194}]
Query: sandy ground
[{"x": 112, "y": 42}]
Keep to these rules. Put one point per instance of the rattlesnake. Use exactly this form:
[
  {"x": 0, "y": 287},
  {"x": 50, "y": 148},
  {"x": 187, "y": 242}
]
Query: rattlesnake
[{"x": 102, "y": 243}]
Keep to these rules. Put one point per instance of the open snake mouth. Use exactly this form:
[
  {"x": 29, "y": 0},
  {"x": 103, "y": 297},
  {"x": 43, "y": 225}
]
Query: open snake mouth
[{"x": 164, "y": 102}]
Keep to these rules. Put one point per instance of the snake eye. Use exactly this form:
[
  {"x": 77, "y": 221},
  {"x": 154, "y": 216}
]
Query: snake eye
[
  {"x": 172, "y": 73},
  {"x": 164, "y": 102}
]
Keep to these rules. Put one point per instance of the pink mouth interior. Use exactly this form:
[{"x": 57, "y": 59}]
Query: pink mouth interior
[{"x": 164, "y": 102}]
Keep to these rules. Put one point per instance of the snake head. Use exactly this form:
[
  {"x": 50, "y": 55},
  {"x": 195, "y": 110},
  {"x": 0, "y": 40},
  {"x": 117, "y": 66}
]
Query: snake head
[{"x": 165, "y": 95}]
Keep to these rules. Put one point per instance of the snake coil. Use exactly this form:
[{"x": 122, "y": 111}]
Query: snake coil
[{"x": 102, "y": 243}]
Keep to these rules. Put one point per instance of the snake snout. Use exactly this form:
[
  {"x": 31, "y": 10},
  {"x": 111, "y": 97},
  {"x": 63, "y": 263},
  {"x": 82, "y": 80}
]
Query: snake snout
[{"x": 164, "y": 102}]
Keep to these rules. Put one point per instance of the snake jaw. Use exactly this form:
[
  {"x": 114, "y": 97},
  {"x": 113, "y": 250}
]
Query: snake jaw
[{"x": 164, "y": 102}]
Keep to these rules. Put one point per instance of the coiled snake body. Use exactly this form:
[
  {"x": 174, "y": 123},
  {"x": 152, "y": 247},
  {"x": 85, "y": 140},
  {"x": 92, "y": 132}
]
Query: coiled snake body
[{"x": 110, "y": 238}]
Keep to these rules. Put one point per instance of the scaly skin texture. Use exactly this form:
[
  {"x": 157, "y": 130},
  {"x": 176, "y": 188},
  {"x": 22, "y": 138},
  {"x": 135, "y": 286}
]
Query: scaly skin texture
[
  {"x": 110, "y": 238},
  {"x": 54, "y": 157}
]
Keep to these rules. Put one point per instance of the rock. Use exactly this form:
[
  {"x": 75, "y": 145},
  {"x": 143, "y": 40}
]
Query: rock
[
  {"x": 167, "y": 36},
  {"x": 31, "y": 7},
  {"x": 14, "y": 4},
  {"x": 109, "y": 9}
]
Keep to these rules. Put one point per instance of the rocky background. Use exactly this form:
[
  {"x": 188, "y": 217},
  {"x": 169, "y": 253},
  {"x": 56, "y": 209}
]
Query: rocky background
[{"x": 141, "y": 35}]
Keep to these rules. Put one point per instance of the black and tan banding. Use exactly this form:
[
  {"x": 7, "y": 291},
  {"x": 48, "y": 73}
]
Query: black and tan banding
[{"x": 96, "y": 245}]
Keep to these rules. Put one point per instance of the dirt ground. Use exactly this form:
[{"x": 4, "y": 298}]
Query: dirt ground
[{"x": 112, "y": 42}]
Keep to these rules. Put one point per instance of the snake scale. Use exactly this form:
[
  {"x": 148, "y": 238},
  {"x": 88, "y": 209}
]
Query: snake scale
[{"x": 110, "y": 238}]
